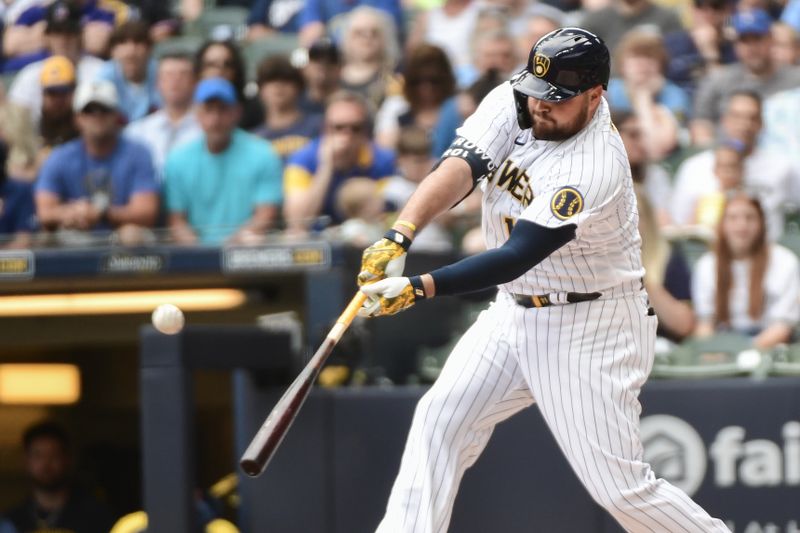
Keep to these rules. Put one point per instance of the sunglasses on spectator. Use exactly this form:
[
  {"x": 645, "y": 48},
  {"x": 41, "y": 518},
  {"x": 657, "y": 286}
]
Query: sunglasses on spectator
[
  {"x": 93, "y": 109},
  {"x": 354, "y": 128},
  {"x": 367, "y": 32}
]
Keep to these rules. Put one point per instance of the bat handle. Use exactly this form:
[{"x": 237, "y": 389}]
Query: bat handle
[{"x": 347, "y": 316}]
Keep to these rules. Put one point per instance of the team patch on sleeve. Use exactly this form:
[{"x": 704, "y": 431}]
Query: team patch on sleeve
[{"x": 566, "y": 202}]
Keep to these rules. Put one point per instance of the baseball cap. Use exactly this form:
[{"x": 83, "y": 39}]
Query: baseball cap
[
  {"x": 751, "y": 22},
  {"x": 58, "y": 73},
  {"x": 100, "y": 92},
  {"x": 63, "y": 17},
  {"x": 215, "y": 89}
]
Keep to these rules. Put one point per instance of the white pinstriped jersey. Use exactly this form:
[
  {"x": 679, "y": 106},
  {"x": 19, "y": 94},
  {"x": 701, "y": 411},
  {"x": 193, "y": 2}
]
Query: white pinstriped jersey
[{"x": 584, "y": 180}]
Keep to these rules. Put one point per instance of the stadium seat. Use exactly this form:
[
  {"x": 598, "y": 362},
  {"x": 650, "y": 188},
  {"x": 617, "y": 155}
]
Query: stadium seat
[
  {"x": 278, "y": 44},
  {"x": 221, "y": 23},
  {"x": 786, "y": 361},
  {"x": 184, "y": 44},
  {"x": 714, "y": 356}
]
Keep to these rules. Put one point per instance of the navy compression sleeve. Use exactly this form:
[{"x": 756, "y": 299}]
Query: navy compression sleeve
[{"x": 527, "y": 246}]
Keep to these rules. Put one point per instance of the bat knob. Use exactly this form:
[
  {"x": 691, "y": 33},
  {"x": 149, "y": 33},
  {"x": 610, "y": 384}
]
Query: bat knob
[{"x": 250, "y": 467}]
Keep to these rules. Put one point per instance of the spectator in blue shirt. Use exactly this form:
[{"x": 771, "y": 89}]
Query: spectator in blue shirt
[
  {"x": 100, "y": 181},
  {"x": 17, "y": 215},
  {"x": 315, "y": 174},
  {"x": 226, "y": 185},
  {"x": 268, "y": 16},
  {"x": 24, "y": 40},
  {"x": 132, "y": 71},
  {"x": 286, "y": 125},
  {"x": 316, "y": 14}
]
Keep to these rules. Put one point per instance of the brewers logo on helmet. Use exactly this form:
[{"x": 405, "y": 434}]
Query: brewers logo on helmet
[{"x": 541, "y": 65}]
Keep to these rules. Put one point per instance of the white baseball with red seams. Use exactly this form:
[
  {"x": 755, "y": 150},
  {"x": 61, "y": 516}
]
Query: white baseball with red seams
[{"x": 583, "y": 364}]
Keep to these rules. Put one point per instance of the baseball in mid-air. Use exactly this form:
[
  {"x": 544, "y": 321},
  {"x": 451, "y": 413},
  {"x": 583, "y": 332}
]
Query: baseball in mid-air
[{"x": 168, "y": 319}]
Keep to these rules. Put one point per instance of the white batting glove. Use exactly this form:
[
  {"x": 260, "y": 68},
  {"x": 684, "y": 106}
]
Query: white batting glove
[{"x": 387, "y": 297}]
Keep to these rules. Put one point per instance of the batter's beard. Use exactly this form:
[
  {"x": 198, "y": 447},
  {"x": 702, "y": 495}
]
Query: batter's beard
[{"x": 549, "y": 131}]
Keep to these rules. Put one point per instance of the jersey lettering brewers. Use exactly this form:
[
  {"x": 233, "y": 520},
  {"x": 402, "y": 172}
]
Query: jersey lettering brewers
[{"x": 584, "y": 180}]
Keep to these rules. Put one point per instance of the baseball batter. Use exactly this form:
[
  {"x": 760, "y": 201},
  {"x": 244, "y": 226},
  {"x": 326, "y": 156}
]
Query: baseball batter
[{"x": 570, "y": 328}]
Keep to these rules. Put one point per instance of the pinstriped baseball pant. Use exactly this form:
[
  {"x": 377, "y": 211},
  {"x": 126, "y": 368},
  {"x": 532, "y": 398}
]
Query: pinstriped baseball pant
[{"x": 584, "y": 365}]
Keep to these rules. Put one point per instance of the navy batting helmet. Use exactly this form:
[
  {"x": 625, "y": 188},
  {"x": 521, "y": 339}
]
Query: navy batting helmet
[{"x": 563, "y": 64}]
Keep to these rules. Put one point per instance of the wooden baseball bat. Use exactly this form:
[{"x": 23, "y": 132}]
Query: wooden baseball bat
[{"x": 274, "y": 428}]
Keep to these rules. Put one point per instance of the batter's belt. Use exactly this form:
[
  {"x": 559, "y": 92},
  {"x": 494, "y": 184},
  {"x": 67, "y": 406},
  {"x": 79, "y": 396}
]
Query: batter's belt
[{"x": 555, "y": 298}]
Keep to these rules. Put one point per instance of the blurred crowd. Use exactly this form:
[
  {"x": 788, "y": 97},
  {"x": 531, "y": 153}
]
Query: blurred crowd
[{"x": 137, "y": 122}]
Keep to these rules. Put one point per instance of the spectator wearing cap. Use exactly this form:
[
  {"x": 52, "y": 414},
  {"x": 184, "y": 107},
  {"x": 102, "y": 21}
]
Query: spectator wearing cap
[
  {"x": 57, "y": 123},
  {"x": 755, "y": 71},
  {"x": 286, "y": 126},
  {"x": 62, "y": 38},
  {"x": 769, "y": 175},
  {"x": 345, "y": 150},
  {"x": 697, "y": 51},
  {"x": 611, "y": 23},
  {"x": 132, "y": 70},
  {"x": 225, "y": 185},
  {"x": 322, "y": 75},
  {"x": 269, "y": 16},
  {"x": 175, "y": 123},
  {"x": 316, "y": 14},
  {"x": 23, "y": 39},
  {"x": 100, "y": 181}
]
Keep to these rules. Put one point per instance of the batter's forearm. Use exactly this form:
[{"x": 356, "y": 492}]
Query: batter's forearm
[{"x": 441, "y": 190}]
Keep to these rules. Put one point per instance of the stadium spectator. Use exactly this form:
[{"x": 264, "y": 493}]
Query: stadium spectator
[
  {"x": 175, "y": 123},
  {"x": 611, "y": 23},
  {"x": 17, "y": 213},
  {"x": 17, "y": 133},
  {"x": 667, "y": 276},
  {"x": 23, "y": 41},
  {"x": 746, "y": 284},
  {"x": 414, "y": 162},
  {"x": 57, "y": 123},
  {"x": 456, "y": 110},
  {"x": 785, "y": 45},
  {"x": 492, "y": 50},
  {"x": 314, "y": 175},
  {"x": 363, "y": 210},
  {"x": 157, "y": 14},
  {"x": 102, "y": 180},
  {"x": 769, "y": 175},
  {"x": 370, "y": 53},
  {"x": 695, "y": 52},
  {"x": 653, "y": 179},
  {"x": 322, "y": 75},
  {"x": 55, "y": 503},
  {"x": 641, "y": 88},
  {"x": 225, "y": 185},
  {"x": 316, "y": 14},
  {"x": 756, "y": 71},
  {"x": 286, "y": 126},
  {"x": 132, "y": 71},
  {"x": 63, "y": 38},
  {"x": 269, "y": 16},
  {"x": 539, "y": 20},
  {"x": 224, "y": 60},
  {"x": 428, "y": 81},
  {"x": 450, "y": 27}
]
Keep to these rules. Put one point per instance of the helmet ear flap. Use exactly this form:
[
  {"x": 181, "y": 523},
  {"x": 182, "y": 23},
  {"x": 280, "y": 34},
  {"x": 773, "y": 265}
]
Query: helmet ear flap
[{"x": 524, "y": 118}]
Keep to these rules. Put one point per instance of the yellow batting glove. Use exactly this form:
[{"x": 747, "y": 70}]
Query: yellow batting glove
[
  {"x": 391, "y": 295},
  {"x": 385, "y": 258}
]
